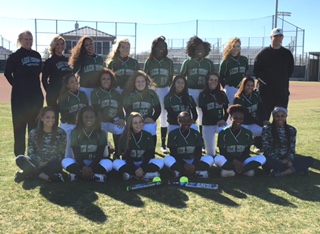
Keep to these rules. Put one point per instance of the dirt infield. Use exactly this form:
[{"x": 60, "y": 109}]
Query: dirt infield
[{"x": 299, "y": 90}]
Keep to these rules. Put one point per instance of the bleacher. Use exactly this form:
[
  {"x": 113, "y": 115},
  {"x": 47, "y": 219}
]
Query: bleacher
[{"x": 4, "y": 54}]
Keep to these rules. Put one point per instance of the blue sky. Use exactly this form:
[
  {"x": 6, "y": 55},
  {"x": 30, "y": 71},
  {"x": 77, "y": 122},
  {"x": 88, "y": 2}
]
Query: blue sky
[{"x": 163, "y": 17}]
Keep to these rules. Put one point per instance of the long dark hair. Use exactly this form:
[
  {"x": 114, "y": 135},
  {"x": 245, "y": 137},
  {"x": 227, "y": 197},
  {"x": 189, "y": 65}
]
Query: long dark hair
[
  {"x": 39, "y": 128},
  {"x": 275, "y": 134},
  {"x": 216, "y": 91},
  {"x": 185, "y": 92},
  {"x": 110, "y": 73},
  {"x": 243, "y": 83},
  {"x": 65, "y": 80},
  {"x": 155, "y": 42}
]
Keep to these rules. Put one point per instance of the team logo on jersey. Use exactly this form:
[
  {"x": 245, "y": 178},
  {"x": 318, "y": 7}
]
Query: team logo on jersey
[{"x": 137, "y": 153}]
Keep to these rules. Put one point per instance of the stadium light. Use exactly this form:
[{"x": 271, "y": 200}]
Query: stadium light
[{"x": 283, "y": 14}]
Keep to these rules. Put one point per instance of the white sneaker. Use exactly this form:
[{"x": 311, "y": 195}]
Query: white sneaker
[
  {"x": 227, "y": 173},
  {"x": 249, "y": 173},
  {"x": 126, "y": 176},
  {"x": 164, "y": 150},
  {"x": 72, "y": 177},
  {"x": 202, "y": 174},
  {"x": 176, "y": 174},
  {"x": 150, "y": 175},
  {"x": 99, "y": 178}
]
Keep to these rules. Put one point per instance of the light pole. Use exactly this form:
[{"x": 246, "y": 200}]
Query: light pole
[
  {"x": 283, "y": 14},
  {"x": 76, "y": 27},
  {"x": 276, "y": 15}
]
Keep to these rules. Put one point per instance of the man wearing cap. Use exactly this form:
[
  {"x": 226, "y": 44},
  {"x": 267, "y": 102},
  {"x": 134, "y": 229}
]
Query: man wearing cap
[{"x": 273, "y": 67}]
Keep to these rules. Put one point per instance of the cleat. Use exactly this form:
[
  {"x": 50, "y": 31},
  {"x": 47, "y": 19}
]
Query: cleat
[
  {"x": 202, "y": 174},
  {"x": 227, "y": 173}
]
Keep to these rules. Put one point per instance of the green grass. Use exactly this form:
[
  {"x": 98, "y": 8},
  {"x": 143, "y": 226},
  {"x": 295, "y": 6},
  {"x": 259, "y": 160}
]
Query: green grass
[{"x": 241, "y": 205}]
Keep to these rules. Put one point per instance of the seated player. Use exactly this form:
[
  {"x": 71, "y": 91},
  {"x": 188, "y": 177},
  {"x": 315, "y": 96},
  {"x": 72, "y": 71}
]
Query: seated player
[
  {"x": 279, "y": 143},
  {"x": 88, "y": 142},
  {"x": 234, "y": 144},
  {"x": 185, "y": 146},
  {"x": 137, "y": 150}
]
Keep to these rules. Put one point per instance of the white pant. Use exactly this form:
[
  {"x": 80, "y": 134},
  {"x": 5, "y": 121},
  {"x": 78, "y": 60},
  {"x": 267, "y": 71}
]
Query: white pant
[
  {"x": 105, "y": 163},
  {"x": 195, "y": 94},
  {"x": 112, "y": 128},
  {"x": 173, "y": 127},
  {"x": 230, "y": 92},
  {"x": 118, "y": 163},
  {"x": 88, "y": 93},
  {"x": 162, "y": 92},
  {"x": 254, "y": 128},
  {"x": 151, "y": 128},
  {"x": 220, "y": 160},
  {"x": 68, "y": 129},
  {"x": 170, "y": 160},
  {"x": 209, "y": 136}
]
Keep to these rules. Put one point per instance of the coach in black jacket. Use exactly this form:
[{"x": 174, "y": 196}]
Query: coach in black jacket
[
  {"x": 22, "y": 71},
  {"x": 273, "y": 66}
]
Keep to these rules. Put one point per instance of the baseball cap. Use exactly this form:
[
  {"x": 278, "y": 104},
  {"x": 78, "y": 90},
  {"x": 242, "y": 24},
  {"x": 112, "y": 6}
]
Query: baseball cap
[{"x": 276, "y": 31}]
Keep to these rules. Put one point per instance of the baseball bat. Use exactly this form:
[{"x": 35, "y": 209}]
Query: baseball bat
[
  {"x": 196, "y": 185},
  {"x": 143, "y": 186}
]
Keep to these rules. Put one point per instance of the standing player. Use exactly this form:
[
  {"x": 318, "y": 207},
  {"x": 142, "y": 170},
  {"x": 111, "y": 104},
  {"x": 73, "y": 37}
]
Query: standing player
[
  {"x": 273, "y": 66},
  {"x": 177, "y": 100},
  {"x": 139, "y": 96},
  {"x": 54, "y": 69},
  {"x": 137, "y": 150},
  {"x": 22, "y": 72},
  {"x": 107, "y": 101},
  {"x": 214, "y": 104},
  {"x": 121, "y": 64},
  {"x": 71, "y": 101},
  {"x": 196, "y": 69},
  {"x": 88, "y": 142},
  {"x": 160, "y": 68},
  {"x": 185, "y": 146},
  {"x": 234, "y": 144},
  {"x": 86, "y": 64},
  {"x": 233, "y": 68}
]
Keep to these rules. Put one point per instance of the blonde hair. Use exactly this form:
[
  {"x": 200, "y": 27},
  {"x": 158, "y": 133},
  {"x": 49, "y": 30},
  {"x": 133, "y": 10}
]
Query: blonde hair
[
  {"x": 54, "y": 42},
  {"x": 25, "y": 32},
  {"x": 227, "y": 50},
  {"x": 115, "y": 52}
]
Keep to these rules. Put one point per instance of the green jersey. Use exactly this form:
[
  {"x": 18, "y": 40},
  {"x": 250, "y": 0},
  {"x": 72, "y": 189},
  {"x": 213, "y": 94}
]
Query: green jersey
[
  {"x": 123, "y": 69},
  {"x": 137, "y": 147},
  {"x": 161, "y": 72},
  {"x": 144, "y": 105},
  {"x": 196, "y": 71},
  {"x": 88, "y": 144},
  {"x": 174, "y": 105},
  {"x": 232, "y": 70},
  {"x": 70, "y": 105},
  {"x": 88, "y": 70},
  {"x": 234, "y": 145},
  {"x": 251, "y": 103},
  {"x": 185, "y": 145},
  {"x": 212, "y": 110},
  {"x": 108, "y": 103}
]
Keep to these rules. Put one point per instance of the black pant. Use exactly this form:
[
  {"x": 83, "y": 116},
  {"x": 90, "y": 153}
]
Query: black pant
[
  {"x": 31, "y": 168},
  {"x": 300, "y": 164},
  {"x": 272, "y": 98},
  {"x": 25, "y": 109}
]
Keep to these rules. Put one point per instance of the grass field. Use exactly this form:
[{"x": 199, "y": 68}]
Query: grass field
[{"x": 241, "y": 205}]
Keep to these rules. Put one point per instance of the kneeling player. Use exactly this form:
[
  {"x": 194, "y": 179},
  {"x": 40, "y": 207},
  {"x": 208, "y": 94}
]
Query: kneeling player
[
  {"x": 185, "y": 146},
  {"x": 234, "y": 144}
]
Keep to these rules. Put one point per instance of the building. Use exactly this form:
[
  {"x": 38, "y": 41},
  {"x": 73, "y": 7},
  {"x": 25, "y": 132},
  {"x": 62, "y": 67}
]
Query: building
[{"x": 103, "y": 41}]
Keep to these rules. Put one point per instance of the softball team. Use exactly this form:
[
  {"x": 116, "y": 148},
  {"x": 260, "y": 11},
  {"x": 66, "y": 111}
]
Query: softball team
[{"x": 125, "y": 104}]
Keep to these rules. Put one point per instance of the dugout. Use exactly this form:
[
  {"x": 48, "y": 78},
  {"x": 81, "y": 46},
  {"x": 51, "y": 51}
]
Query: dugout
[{"x": 313, "y": 67}]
